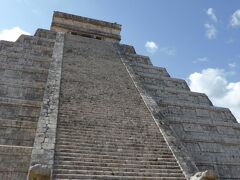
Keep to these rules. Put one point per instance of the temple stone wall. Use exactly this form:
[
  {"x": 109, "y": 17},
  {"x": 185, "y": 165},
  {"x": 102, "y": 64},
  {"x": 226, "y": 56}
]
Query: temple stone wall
[{"x": 97, "y": 29}]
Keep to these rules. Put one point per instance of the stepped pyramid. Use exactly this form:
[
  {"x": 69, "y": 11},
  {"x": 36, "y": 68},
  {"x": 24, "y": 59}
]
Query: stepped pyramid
[{"x": 77, "y": 104}]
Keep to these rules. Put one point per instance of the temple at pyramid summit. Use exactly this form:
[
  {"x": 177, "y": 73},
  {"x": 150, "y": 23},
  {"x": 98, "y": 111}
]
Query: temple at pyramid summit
[{"x": 75, "y": 103}]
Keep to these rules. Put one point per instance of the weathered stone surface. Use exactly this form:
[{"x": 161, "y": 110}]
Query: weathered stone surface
[
  {"x": 23, "y": 74},
  {"x": 116, "y": 115},
  {"x": 44, "y": 143},
  {"x": 209, "y": 134}
]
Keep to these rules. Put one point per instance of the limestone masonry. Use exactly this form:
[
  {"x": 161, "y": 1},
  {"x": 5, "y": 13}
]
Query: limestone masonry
[{"x": 77, "y": 104}]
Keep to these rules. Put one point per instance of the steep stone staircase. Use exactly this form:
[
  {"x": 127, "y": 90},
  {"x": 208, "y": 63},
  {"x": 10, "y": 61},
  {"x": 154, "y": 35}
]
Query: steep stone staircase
[
  {"x": 104, "y": 129},
  {"x": 23, "y": 73}
]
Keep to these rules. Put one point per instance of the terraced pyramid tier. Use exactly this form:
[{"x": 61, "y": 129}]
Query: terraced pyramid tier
[
  {"x": 209, "y": 135},
  {"x": 23, "y": 73}
]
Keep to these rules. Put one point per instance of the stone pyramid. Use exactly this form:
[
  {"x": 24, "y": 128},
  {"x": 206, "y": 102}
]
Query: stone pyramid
[{"x": 77, "y": 104}]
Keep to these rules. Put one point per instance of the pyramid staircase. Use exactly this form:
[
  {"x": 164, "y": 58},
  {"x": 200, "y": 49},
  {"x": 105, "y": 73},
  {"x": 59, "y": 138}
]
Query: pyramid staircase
[{"x": 104, "y": 129}]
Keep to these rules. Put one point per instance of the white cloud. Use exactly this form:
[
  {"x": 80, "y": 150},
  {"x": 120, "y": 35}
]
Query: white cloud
[
  {"x": 12, "y": 34},
  {"x": 235, "y": 19},
  {"x": 151, "y": 46},
  {"x": 214, "y": 83},
  {"x": 211, "y": 31},
  {"x": 232, "y": 65},
  {"x": 168, "y": 51},
  {"x": 201, "y": 59},
  {"x": 210, "y": 12}
]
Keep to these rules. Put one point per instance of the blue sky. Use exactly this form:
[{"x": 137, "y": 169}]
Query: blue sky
[{"x": 195, "y": 40}]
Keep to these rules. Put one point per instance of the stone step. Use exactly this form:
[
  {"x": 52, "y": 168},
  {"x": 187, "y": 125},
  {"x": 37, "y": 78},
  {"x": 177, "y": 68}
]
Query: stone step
[
  {"x": 92, "y": 123},
  {"x": 104, "y": 133},
  {"x": 111, "y": 137},
  {"x": 160, "y": 168},
  {"x": 137, "y": 59},
  {"x": 120, "y": 149},
  {"x": 113, "y": 152},
  {"x": 169, "y": 94},
  {"x": 116, "y": 146},
  {"x": 44, "y": 33},
  {"x": 119, "y": 156},
  {"x": 148, "y": 70},
  {"x": 116, "y": 156},
  {"x": 119, "y": 173},
  {"x": 149, "y": 130},
  {"x": 35, "y": 40},
  {"x": 71, "y": 118},
  {"x": 73, "y": 110},
  {"x": 109, "y": 162},
  {"x": 156, "y": 160},
  {"x": 24, "y": 62},
  {"x": 193, "y": 110},
  {"x": 108, "y": 144},
  {"x": 105, "y": 121},
  {"x": 113, "y": 177},
  {"x": 127, "y": 133}
]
